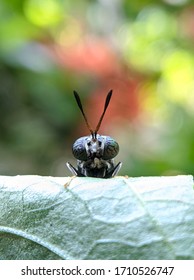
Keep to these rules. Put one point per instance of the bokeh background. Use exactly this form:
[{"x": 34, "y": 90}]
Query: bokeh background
[{"x": 143, "y": 50}]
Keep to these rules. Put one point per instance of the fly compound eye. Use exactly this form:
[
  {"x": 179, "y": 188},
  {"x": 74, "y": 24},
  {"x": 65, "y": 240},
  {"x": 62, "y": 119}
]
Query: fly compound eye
[
  {"x": 111, "y": 148},
  {"x": 79, "y": 150}
]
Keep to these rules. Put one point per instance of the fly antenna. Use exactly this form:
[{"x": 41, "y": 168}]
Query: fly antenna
[
  {"x": 103, "y": 113},
  {"x": 77, "y": 98}
]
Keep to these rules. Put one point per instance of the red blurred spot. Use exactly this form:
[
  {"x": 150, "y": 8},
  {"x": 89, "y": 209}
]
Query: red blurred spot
[
  {"x": 97, "y": 58},
  {"x": 186, "y": 21},
  {"x": 93, "y": 56}
]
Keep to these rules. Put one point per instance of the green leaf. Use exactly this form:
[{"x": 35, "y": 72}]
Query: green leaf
[{"x": 89, "y": 218}]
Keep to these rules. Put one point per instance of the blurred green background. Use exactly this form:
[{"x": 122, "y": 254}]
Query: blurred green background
[{"x": 143, "y": 50}]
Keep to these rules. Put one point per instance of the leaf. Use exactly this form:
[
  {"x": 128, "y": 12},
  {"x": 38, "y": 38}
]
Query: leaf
[{"x": 119, "y": 218}]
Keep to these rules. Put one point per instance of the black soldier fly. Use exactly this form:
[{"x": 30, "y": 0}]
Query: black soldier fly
[{"x": 95, "y": 153}]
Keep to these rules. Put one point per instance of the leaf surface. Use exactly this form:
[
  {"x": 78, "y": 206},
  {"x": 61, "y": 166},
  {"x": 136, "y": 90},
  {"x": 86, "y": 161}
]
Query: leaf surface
[{"x": 89, "y": 218}]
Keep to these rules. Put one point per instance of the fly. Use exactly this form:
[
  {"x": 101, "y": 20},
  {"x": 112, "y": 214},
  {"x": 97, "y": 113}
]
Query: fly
[{"x": 95, "y": 153}]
